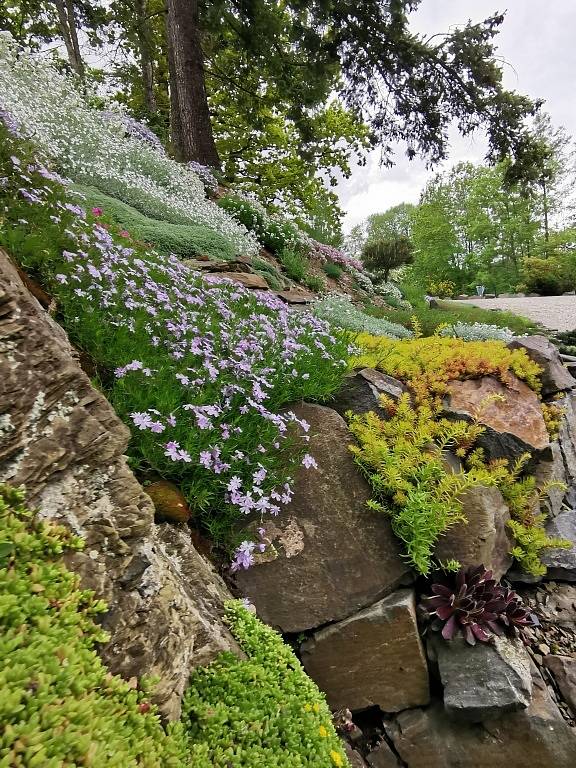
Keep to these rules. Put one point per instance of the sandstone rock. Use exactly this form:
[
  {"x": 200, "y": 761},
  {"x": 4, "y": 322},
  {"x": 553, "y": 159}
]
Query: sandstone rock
[
  {"x": 169, "y": 502},
  {"x": 483, "y": 681},
  {"x": 485, "y": 538},
  {"x": 246, "y": 279},
  {"x": 548, "y": 470},
  {"x": 511, "y": 414},
  {"x": 382, "y": 757},
  {"x": 361, "y": 391},
  {"x": 373, "y": 658},
  {"x": 555, "y": 377},
  {"x": 62, "y": 441},
  {"x": 561, "y": 563},
  {"x": 563, "y": 669},
  {"x": 296, "y": 296},
  {"x": 538, "y": 736},
  {"x": 335, "y": 556}
]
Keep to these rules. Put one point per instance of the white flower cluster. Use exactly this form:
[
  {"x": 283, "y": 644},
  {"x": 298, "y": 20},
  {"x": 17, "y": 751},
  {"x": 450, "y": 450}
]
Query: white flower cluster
[
  {"x": 89, "y": 148},
  {"x": 363, "y": 279},
  {"x": 339, "y": 311},
  {"x": 477, "y": 332}
]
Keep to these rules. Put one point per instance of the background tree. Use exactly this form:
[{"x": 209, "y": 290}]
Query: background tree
[{"x": 383, "y": 255}]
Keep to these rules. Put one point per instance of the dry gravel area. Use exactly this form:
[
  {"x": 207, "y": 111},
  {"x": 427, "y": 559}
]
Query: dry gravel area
[{"x": 555, "y": 312}]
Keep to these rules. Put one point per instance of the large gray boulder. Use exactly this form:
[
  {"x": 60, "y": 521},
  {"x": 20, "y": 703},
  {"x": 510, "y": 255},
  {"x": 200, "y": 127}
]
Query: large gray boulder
[
  {"x": 485, "y": 537},
  {"x": 555, "y": 377},
  {"x": 62, "y": 441},
  {"x": 372, "y": 658},
  {"x": 483, "y": 681},
  {"x": 537, "y": 736},
  {"x": 511, "y": 415},
  {"x": 333, "y": 555}
]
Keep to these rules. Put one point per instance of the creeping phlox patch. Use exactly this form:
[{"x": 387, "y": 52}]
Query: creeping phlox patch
[{"x": 198, "y": 368}]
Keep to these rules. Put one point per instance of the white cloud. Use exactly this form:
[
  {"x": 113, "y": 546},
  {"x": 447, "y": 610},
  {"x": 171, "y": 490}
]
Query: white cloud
[{"x": 540, "y": 60}]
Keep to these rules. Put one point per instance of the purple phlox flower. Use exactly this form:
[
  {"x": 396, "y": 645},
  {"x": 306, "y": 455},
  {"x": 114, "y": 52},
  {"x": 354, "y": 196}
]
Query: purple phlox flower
[
  {"x": 141, "y": 420},
  {"x": 172, "y": 450},
  {"x": 234, "y": 483},
  {"x": 243, "y": 557},
  {"x": 309, "y": 461},
  {"x": 259, "y": 476},
  {"x": 157, "y": 427}
]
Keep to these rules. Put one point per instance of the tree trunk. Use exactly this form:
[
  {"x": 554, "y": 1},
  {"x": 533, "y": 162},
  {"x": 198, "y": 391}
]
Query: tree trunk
[
  {"x": 67, "y": 25},
  {"x": 146, "y": 57},
  {"x": 192, "y": 137},
  {"x": 546, "y": 228}
]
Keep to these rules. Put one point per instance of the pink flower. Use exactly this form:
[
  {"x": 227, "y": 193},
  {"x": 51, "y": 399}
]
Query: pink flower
[
  {"x": 124, "y": 233},
  {"x": 97, "y": 211}
]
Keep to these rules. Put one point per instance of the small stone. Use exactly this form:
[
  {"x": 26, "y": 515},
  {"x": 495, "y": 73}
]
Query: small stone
[
  {"x": 246, "y": 279},
  {"x": 563, "y": 669},
  {"x": 544, "y": 649},
  {"x": 169, "y": 502},
  {"x": 382, "y": 757}
]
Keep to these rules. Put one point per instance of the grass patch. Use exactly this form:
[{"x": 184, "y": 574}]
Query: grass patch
[{"x": 453, "y": 312}]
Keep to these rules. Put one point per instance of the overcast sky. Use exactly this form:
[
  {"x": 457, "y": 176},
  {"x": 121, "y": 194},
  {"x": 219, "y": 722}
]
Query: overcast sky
[{"x": 536, "y": 41}]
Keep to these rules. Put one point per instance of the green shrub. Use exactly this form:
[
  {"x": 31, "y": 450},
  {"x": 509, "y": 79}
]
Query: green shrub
[
  {"x": 295, "y": 264},
  {"x": 59, "y": 704},
  {"x": 314, "y": 283},
  {"x": 548, "y": 277},
  {"x": 260, "y": 712},
  {"x": 269, "y": 273},
  {"x": 273, "y": 234},
  {"x": 333, "y": 271},
  {"x": 185, "y": 240}
]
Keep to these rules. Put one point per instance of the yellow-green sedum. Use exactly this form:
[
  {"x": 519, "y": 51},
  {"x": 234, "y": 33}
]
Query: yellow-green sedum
[{"x": 59, "y": 705}]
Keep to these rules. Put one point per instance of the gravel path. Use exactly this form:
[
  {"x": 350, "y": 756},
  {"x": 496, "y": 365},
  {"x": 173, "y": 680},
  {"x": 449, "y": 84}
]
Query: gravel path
[{"x": 554, "y": 312}]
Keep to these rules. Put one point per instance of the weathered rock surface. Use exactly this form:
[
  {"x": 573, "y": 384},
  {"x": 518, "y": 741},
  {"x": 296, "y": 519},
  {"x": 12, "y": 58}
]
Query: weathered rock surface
[
  {"x": 567, "y": 436},
  {"x": 485, "y": 538},
  {"x": 512, "y": 415},
  {"x": 555, "y": 377},
  {"x": 483, "y": 681},
  {"x": 373, "y": 658},
  {"x": 361, "y": 391},
  {"x": 63, "y": 442},
  {"x": 549, "y": 470},
  {"x": 382, "y": 757},
  {"x": 335, "y": 556},
  {"x": 537, "y": 736},
  {"x": 563, "y": 669},
  {"x": 561, "y": 563}
]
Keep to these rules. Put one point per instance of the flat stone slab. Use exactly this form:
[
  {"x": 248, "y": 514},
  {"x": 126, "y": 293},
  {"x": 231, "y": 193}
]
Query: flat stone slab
[
  {"x": 246, "y": 279},
  {"x": 334, "y": 556},
  {"x": 296, "y": 297},
  {"x": 373, "y": 658},
  {"x": 485, "y": 680}
]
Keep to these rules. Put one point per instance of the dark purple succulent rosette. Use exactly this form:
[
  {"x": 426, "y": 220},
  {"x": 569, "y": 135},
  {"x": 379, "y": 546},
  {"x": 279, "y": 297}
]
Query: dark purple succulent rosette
[{"x": 474, "y": 604}]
